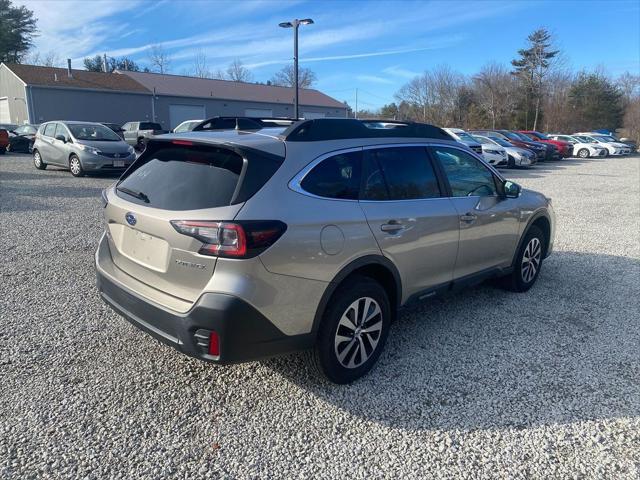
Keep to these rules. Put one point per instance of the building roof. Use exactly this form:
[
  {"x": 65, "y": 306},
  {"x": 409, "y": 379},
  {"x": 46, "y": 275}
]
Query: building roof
[
  {"x": 57, "y": 77},
  {"x": 224, "y": 89}
]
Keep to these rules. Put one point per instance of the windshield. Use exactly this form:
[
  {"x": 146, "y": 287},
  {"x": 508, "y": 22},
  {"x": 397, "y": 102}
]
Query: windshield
[
  {"x": 482, "y": 140},
  {"x": 540, "y": 136},
  {"x": 502, "y": 142},
  {"x": 465, "y": 136},
  {"x": 94, "y": 133},
  {"x": 512, "y": 136},
  {"x": 586, "y": 139},
  {"x": 605, "y": 138}
]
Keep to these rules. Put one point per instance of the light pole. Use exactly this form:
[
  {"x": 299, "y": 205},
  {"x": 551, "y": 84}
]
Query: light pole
[{"x": 295, "y": 24}]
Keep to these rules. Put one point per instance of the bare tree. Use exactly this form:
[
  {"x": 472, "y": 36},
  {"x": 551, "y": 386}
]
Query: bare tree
[
  {"x": 495, "y": 92},
  {"x": 50, "y": 59},
  {"x": 200, "y": 68},
  {"x": 286, "y": 77},
  {"x": 237, "y": 72},
  {"x": 558, "y": 115},
  {"x": 159, "y": 60},
  {"x": 433, "y": 96}
]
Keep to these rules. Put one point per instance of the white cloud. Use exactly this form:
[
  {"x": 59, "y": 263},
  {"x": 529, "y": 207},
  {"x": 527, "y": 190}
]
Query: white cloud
[
  {"x": 400, "y": 72},
  {"x": 374, "y": 79},
  {"x": 71, "y": 28}
]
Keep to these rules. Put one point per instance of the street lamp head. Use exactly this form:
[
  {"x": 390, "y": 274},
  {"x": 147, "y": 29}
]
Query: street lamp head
[
  {"x": 286, "y": 24},
  {"x": 306, "y": 21}
]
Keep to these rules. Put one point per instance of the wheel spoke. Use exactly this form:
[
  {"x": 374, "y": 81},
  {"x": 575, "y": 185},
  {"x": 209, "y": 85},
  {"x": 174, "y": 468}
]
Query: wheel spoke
[{"x": 358, "y": 332}]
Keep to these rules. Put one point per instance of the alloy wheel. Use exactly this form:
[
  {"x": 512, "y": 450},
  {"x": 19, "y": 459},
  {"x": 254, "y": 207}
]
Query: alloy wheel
[
  {"x": 74, "y": 165},
  {"x": 358, "y": 332},
  {"x": 531, "y": 260},
  {"x": 37, "y": 159}
]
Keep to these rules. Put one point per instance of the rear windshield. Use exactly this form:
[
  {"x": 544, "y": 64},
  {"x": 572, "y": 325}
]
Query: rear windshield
[
  {"x": 180, "y": 177},
  {"x": 150, "y": 126}
]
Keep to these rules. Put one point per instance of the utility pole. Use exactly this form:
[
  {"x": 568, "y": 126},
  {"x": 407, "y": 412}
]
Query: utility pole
[{"x": 356, "y": 103}]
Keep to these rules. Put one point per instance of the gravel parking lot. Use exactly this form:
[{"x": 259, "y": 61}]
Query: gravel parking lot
[{"x": 478, "y": 384}]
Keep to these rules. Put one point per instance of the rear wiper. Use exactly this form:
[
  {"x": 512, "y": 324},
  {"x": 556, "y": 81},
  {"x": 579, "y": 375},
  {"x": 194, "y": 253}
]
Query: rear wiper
[{"x": 133, "y": 193}]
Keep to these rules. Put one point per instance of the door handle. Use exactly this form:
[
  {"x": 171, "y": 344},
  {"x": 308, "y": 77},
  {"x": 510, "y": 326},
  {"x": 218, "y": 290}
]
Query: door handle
[
  {"x": 393, "y": 226},
  {"x": 468, "y": 217}
]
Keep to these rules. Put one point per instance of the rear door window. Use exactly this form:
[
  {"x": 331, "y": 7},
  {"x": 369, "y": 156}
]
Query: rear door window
[
  {"x": 184, "y": 178},
  {"x": 402, "y": 173},
  {"x": 335, "y": 177}
]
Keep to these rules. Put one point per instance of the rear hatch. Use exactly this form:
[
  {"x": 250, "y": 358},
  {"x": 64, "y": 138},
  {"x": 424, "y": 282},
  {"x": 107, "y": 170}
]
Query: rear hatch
[{"x": 177, "y": 181}]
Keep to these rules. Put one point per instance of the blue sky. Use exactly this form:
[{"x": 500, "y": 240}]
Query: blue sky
[{"x": 374, "y": 46}]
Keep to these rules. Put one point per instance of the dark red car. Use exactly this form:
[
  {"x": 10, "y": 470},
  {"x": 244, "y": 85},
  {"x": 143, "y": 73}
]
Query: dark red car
[
  {"x": 4, "y": 140},
  {"x": 564, "y": 148}
]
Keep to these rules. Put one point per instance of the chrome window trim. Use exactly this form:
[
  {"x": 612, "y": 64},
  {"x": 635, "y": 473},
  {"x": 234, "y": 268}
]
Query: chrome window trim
[{"x": 295, "y": 183}]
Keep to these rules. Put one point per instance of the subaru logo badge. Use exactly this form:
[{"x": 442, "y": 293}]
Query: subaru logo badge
[
  {"x": 130, "y": 218},
  {"x": 116, "y": 155}
]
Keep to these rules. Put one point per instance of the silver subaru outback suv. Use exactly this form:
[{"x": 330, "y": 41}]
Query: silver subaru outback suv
[{"x": 237, "y": 245}]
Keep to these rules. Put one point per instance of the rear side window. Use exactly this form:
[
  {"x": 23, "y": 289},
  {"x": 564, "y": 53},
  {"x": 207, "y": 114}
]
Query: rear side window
[
  {"x": 49, "y": 129},
  {"x": 335, "y": 177},
  {"x": 150, "y": 126},
  {"x": 403, "y": 173},
  {"x": 184, "y": 178}
]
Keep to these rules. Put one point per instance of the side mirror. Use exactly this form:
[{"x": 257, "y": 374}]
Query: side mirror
[
  {"x": 61, "y": 138},
  {"x": 511, "y": 189}
]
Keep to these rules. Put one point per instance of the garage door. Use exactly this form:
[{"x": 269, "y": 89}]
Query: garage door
[
  {"x": 312, "y": 115},
  {"x": 5, "y": 117},
  {"x": 258, "y": 112},
  {"x": 181, "y": 113}
]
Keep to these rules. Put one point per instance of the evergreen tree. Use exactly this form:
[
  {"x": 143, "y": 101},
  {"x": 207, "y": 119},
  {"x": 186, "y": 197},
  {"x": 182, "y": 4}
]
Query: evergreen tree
[
  {"x": 532, "y": 67},
  {"x": 17, "y": 29}
]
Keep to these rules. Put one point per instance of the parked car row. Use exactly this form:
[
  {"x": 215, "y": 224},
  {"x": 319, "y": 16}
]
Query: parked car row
[{"x": 524, "y": 148}]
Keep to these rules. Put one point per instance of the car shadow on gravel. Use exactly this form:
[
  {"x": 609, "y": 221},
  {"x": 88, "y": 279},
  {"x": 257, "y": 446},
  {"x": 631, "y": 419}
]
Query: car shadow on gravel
[{"x": 565, "y": 351}]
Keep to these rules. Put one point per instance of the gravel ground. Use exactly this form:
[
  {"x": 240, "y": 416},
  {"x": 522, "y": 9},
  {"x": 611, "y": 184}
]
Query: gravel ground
[{"x": 474, "y": 385}]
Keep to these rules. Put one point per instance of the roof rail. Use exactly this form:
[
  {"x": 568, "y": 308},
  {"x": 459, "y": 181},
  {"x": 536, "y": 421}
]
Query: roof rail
[
  {"x": 344, "y": 128},
  {"x": 242, "y": 123}
]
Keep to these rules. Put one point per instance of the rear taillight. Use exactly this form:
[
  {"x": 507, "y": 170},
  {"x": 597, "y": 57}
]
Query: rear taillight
[{"x": 244, "y": 239}]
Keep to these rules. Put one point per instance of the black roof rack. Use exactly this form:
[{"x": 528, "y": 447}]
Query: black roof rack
[
  {"x": 343, "y": 128},
  {"x": 242, "y": 123}
]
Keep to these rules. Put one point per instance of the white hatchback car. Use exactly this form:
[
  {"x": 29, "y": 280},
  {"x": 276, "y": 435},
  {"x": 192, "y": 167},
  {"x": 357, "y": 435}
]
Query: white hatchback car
[{"x": 581, "y": 148}]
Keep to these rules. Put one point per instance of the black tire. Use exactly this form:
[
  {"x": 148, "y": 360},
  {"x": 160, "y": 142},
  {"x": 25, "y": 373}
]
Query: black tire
[
  {"x": 522, "y": 278},
  {"x": 37, "y": 161},
  {"x": 141, "y": 144},
  {"x": 324, "y": 356},
  {"x": 583, "y": 153},
  {"x": 75, "y": 166},
  {"x": 511, "y": 162},
  {"x": 4, "y": 150}
]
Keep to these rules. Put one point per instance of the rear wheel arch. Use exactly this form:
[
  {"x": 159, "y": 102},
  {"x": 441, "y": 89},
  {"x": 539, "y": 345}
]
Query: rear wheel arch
[{"x": 376, "y": 267}]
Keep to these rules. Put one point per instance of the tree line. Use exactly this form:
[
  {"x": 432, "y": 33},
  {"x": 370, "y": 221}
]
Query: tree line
[{"x": 537, "y": 91}]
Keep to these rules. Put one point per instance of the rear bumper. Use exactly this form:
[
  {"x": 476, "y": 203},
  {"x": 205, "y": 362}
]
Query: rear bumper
[{"x": 244, "y": 333}]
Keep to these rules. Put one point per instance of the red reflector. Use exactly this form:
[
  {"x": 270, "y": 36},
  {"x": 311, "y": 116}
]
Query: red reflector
[
  {"x": 214, "y": 344},
  {"x": 182, "y": 142}
]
